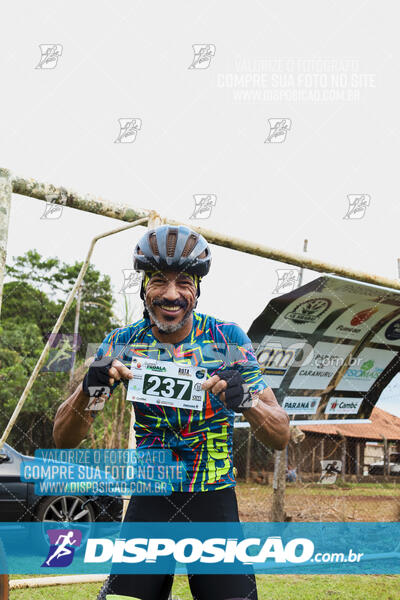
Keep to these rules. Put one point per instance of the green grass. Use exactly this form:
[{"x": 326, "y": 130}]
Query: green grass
[
  {"x": 270, "y": 587},
  {"x": 345, "y": 489}
]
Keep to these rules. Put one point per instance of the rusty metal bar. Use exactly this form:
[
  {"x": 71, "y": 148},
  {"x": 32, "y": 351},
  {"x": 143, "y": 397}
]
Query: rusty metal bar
[
  {"x": 67, "y": 197},
  {"x": 123, "y": 212},
  {"x": 291, "y": 258},
  {"x": 5, "y": 207}
]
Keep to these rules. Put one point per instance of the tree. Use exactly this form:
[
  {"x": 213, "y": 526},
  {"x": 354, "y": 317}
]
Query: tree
[
  {"x": 20, "y": 347},
  {"x": 32, "y": 302},
  {"x": 34, "y": 279}
]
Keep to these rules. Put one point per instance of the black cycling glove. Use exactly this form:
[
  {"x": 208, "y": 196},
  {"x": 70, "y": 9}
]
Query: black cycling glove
[
  {"x": 238, "y": 398},
  {"x": 97, "y": 376}
]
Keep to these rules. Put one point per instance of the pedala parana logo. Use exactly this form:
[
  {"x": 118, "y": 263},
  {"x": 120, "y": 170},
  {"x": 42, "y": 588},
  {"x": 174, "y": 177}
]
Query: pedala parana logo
[{"x": 190, "y": 550}]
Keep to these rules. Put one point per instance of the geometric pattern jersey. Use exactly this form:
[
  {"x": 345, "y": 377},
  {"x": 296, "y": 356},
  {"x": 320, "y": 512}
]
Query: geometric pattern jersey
[{"x": 202, "y": 440}]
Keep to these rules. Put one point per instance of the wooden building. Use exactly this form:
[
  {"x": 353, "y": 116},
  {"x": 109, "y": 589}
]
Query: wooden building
[{"x": 343, "y": 442}]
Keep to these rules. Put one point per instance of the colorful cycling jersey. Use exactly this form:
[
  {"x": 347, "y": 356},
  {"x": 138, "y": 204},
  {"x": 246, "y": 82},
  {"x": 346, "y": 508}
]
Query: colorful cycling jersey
[{"x": 201, "y": 439}]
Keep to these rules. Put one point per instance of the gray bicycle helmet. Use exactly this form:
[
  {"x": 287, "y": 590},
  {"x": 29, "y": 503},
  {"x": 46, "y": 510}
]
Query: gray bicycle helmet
[{"x": 168, "y": 248}]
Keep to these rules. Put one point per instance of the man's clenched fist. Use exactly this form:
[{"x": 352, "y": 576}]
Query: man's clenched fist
[{"x": 104, "y": 372}]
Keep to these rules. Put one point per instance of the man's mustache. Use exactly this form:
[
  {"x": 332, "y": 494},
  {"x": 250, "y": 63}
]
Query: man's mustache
[{"x": 169, "y": 303}]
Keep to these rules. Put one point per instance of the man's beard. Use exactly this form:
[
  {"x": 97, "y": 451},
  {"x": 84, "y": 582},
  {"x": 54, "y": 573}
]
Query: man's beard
[{"x": 166, "y": 327}]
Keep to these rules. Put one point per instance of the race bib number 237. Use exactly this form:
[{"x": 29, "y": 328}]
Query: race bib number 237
[{"x": 166, "y": 383}]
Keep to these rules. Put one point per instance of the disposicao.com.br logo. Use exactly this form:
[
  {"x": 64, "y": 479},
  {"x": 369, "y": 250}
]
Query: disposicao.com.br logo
[
  {"x": 211, "y": 551},
  {"x": 206, "y": 547}
]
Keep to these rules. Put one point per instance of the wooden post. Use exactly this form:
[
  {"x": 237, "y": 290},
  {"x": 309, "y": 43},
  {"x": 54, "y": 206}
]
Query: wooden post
[
  {"x": 248, "y": 455},
  {"x": 358, "y": 459},
  {"x": 278, "y": 498},
  {"x": 344, "y": 458},
  {"x": 385, "y": 457},
  {"x": 322, "y": 449},
  {"x": 298, "y": 462},
  {"x": 279, "y": 484},
  {"x": 313, "y": 463}
]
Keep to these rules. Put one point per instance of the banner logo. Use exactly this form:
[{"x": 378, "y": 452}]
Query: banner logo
[
  {"x": 62, "y": 547},
  {"x": 275, "y": 360},
  {"x": 300, "y": 405},
  {"x": 309, "y": 311},
  {"x": 393, "y": 331},
  {"x": 366, "y": 371},
  {"x": 343, "y": 406},
  {"x": 157, "y": 368},
  {"x": 190, "y": 550}
]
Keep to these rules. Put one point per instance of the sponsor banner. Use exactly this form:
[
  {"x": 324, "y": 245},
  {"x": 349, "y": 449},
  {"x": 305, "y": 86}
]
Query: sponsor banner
[
  {"x": 389, "y": 334},
  {"x": 320, "y": 340},
  {"x": 343, "y": 406},
  {"x": 326, "y": 360},
  {"x": 300, "y": 405},
  {"x": 371, "y": 364},
  {"x": 276, "y": 355},
  {"x": 70, "y": 548},
  {"x": 357, "y": 320},
  {"x": 305, "y": 315}
]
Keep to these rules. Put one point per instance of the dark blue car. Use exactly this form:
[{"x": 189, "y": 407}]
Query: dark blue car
[{"x": 18, "y": 501}]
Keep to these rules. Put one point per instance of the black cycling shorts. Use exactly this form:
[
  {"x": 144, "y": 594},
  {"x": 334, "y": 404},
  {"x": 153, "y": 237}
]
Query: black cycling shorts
[{"x": 218, "y": 505}]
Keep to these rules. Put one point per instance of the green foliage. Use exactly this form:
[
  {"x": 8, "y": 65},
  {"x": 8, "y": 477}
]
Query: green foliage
[
  {"x": 32, "y": 302},
  {"x": 24, "y": 295}
]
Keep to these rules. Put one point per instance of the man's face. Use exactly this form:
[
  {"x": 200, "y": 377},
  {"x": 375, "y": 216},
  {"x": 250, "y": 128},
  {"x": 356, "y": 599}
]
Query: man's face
[{"x": 170, "y": 298}]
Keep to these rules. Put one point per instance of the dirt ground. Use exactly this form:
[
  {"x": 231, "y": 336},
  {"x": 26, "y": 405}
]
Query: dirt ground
[{"x": 311, "y": 504}]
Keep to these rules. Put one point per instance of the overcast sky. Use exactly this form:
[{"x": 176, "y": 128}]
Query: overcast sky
[{"x": 327, "y": 72}]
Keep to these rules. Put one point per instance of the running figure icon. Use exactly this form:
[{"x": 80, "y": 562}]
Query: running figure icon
[{"x": 62, "y": 550}]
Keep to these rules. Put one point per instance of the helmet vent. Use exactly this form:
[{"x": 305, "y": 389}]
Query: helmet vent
[
  {"x": 190, "y": 244},
  {"x": 153, "y": 244},
  {"x": 171, "y": 243}
]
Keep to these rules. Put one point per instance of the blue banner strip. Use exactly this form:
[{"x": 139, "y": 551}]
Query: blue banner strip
[{"x": 298, "y": 548}]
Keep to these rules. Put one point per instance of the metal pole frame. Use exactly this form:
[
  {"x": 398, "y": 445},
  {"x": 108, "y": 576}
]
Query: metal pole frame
[
  {"x": 5, "y": 207},
  {"x": 58, "y": 324}
]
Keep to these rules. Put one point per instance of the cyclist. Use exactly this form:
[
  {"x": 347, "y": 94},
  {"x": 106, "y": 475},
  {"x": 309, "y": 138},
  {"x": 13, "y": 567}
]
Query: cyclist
[{"x": 174, "y": 260}]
